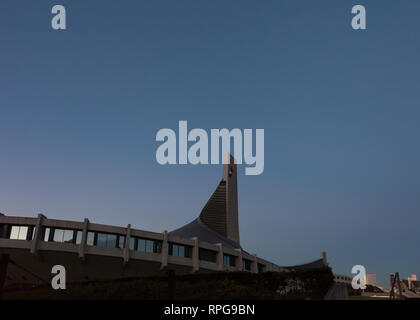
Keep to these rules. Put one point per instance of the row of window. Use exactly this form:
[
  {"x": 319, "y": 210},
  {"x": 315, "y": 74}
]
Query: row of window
[
  {"x": 246, "y": 265},
  {"x": 145, "y": 245},
  {"x": 229, "y": 260},
  {"x": 178, "y": 250},
  {"x": 21, "y": 232},
  {"x": 105, "y": 240},
  {"x": 62, "y": 235},
  {"x": 108, "y": 240}
]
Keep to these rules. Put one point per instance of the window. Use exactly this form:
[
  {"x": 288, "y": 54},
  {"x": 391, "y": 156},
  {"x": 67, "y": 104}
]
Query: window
[
  {"x": 90, "y": 240},
  {"x": 207, "y": 255},
  {"x": 228, "y": 260},
  {"x": 261, "y": 268},
  {"x": 19, "y": 232},
  {"x": 111, "y": 241},
  {"x": 62, "y": 235},
  {"x": 79, "y": 237},
  {"x": 32, "y": 230},
  {"x": 105, "y": 240},
  {"x": 145, "y": 245},
  {"x": 246, "y": 265},
  {"x": 47, "y": 232},
  {"x": 58, "y": 235},
  {"x": 149, "y": 246},
  {"x": 132, "y": 243},
  {"x": 178, "y": 250},
  {"x": 68, "y": 236},
  {"x": 141, "y": 244},
  {"x": 121, "y": 242},
  {"x": 101, "y": 240}
]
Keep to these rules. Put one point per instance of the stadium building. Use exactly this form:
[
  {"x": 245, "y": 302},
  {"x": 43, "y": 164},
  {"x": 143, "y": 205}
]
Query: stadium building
[{"x": 30, "y": 247}]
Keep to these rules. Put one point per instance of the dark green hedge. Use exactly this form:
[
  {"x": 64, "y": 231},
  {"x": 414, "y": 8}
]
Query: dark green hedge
[{"x": 304, "y": 284}]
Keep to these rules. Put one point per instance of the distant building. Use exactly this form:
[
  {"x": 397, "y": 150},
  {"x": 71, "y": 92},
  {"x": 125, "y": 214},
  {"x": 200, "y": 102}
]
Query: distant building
[
  {"x": 413, "y": 284},
  {"x": 412, "y": 278},
  {"x": 370, "y": 279}
]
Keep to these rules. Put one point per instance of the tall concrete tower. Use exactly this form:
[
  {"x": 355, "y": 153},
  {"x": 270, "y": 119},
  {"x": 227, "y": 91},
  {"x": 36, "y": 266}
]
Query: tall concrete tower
[
  {"x": 221, "y": 211},
  {"x": 218, "y": 221},
  {"x": 230, "y": 175}
]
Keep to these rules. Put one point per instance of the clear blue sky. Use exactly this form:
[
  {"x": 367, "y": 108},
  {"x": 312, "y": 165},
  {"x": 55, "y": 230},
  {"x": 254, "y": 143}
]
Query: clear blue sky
[{"x": 79, "y": 111}]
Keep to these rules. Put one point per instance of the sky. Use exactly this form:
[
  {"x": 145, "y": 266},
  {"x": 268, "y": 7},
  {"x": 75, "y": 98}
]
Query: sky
[{"x": 80, "y": 109}]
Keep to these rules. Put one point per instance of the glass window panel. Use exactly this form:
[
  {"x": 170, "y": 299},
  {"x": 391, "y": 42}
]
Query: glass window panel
[
  {"x": 58, "y": 235},
  {"x": 111, "y": 241},
  {"x": 79, "y": 237},
  {"x": 141, "y": 245},
  {"x": 47, "y": 234},
  {"x": 157, "y": 246},
  {"x": 121, "y": 242},
  {"x": 181, "y": 251},
  {"x": 207, "y": 255},
  {"x": 102, "y": 239},
  {"x": 68, "y": 236},
  {"x": 90, "y": 238},
  {"x": 23, "y": 233},
  {"x": 33, "y": 233},
  {"x": 187, "y": 252},
  {"x": 149, "y": 245},
  {"x": 14, "y": 233},
  {"x": 132, "y": 243}
]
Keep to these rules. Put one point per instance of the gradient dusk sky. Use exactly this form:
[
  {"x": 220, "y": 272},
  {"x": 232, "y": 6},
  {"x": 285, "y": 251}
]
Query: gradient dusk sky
[{"x": 80, "y": 108}]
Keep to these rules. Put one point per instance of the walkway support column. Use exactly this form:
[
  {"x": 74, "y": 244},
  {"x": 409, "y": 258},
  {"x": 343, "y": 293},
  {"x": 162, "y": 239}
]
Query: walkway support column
[
  {"x": 4, "y": 261},
  {"x": 37, "y": 235},
  {"x": 220, "y": 257},
  {"x": 82, "y": 245},
  {"x": 195, "y": 255},
  {"x": 239, "y": 260},
  {"x": 164, "y": 253},
  {"x": 254, "y": 264},
  {"x": 127, "y": 244}
]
